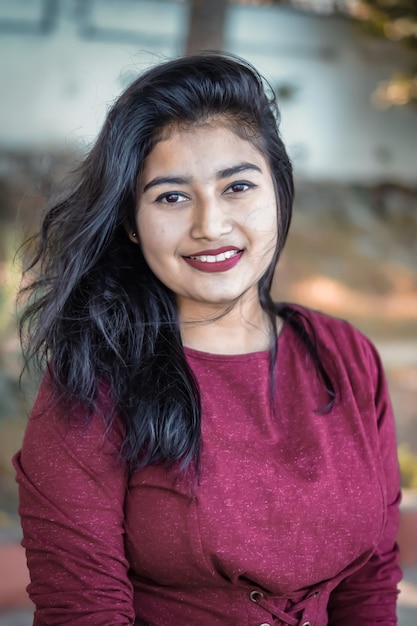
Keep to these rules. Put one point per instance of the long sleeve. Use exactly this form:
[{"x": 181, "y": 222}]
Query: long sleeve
[
  {"x": 72, "y": 490},
  {"x": 368, "y": 596}
]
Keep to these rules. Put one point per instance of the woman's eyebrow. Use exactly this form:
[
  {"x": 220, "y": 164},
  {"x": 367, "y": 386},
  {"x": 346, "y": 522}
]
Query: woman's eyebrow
[
  {"x": 167, "y": 180},
  {"x": 236, "y": 169},
  {"x": 186, "y": 180}
]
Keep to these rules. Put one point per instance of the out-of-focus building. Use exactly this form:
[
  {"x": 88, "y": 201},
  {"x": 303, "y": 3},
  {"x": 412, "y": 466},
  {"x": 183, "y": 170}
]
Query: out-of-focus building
[{"x": 63, "y": 63}]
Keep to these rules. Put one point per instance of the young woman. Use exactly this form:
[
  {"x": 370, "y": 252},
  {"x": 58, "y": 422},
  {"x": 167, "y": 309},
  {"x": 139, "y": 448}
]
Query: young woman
[{"x": 197, "y": 455}]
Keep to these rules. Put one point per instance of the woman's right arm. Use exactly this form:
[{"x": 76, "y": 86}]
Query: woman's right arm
[{"x": 72, "y": 488}]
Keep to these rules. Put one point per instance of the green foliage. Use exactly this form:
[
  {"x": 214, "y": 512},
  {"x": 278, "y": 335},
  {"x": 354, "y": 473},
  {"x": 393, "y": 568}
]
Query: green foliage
[
  {"x": 9, "y": 344},
  {"x": 395, "y": 20},
  {"x": 408, "y": 467}
]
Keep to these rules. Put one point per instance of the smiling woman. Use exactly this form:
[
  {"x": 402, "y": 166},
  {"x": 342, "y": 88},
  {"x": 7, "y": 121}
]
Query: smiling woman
[
  {"x": 197, "y": 454},
  {"x": 207, "y": 226}
]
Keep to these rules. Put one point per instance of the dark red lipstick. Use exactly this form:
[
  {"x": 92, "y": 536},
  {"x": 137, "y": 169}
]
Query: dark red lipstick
[{"x": 200, "y": 262}]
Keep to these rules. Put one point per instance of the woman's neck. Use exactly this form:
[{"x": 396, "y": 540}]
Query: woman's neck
[{"x": 240, "y": 330}]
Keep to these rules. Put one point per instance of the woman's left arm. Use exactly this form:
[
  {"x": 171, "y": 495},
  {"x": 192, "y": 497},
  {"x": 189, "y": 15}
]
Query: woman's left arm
[{"x": 369, "y": 596}]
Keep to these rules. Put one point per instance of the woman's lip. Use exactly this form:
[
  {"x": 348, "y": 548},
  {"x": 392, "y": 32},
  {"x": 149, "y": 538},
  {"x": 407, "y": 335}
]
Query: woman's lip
[
  {"x": 213, "y": 252},
  {"x": 216, "y": 266}
]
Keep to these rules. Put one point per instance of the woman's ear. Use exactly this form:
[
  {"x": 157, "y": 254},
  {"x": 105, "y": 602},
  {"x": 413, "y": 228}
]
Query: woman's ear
[{"x": 131, "y": 233}]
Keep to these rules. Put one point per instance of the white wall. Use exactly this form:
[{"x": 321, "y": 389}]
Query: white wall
[{"x": 56, "y": 88}]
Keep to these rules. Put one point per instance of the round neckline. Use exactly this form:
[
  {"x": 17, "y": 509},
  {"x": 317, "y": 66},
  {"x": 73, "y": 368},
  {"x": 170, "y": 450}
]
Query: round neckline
[{"x": 241, "y": 356}]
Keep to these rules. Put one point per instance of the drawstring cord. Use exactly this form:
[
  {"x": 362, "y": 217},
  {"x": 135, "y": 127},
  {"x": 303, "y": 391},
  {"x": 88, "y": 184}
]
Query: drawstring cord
[{"x": 259, "y": 598}]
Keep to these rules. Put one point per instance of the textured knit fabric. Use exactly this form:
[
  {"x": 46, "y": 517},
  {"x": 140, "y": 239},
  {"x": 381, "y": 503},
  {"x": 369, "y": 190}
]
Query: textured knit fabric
[{"x": 293, "y": 519}]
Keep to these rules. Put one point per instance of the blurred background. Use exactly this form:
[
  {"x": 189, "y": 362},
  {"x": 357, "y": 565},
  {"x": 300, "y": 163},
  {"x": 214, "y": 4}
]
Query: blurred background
[{"x": 345, "y": 74}]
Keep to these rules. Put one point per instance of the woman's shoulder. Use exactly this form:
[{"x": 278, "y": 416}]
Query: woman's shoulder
[
  {"x": 327, "y": 325},
  {"x": 57, "y": 415},
  {"x": 338, "y": 336}
]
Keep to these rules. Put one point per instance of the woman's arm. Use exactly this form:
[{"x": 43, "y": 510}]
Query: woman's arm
[
  {"x": 369, "y": 596},
  {"x": 72, "y": 489}
]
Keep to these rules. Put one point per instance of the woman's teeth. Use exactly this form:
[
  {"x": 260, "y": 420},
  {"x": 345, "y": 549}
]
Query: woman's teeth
[{"x": 223, "y": 256}]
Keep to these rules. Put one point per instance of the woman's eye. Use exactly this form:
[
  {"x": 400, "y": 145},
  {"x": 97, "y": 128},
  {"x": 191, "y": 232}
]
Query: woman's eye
[
  {"x": 238, "y": 187},
  {"x": 171, "y": 198}
]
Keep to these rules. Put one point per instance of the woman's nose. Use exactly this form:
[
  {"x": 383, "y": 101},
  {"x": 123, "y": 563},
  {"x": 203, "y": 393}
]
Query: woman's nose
[{"x": 210, "y": 220}]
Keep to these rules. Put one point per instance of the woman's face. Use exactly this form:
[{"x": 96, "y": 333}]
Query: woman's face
[{"x": 207, "y": 216}]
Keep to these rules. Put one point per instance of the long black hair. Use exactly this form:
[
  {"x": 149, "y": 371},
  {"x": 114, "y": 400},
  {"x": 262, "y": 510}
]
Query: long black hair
[{"x": 96, "y": 314}]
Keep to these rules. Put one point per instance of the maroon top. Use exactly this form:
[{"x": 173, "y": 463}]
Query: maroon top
[{"x": 293, "y": 520}]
